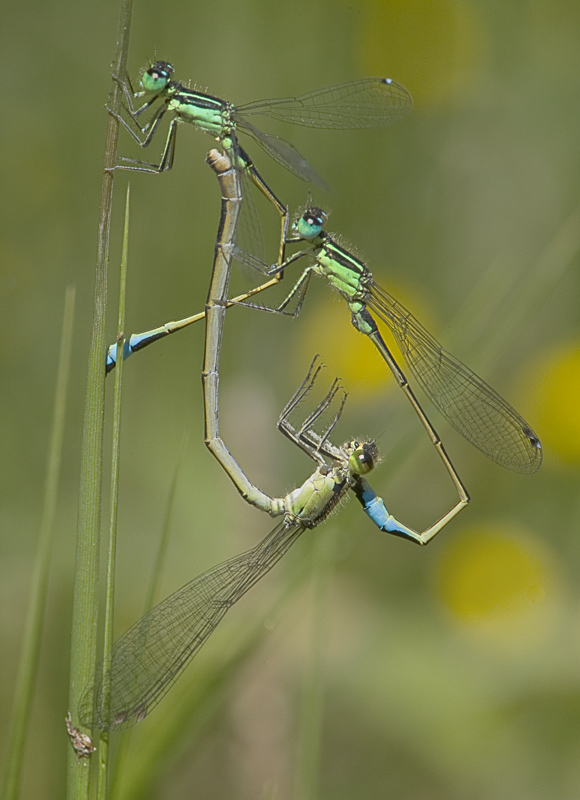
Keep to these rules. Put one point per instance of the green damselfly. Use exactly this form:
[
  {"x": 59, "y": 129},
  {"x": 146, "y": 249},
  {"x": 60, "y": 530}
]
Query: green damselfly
[
  {"x": 469, "y": 404},
  {"x": 217, "y": 303},
  {"x": 148, "y": 659},
  {"x": 366, "y": 103}
]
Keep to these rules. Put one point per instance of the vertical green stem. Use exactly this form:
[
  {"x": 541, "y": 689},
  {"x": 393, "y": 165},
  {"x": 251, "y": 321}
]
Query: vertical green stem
[
  {"x": 114, "y": 507},
  {"x": 33, "y": 627},
  {"x": 85, "y": 601}
]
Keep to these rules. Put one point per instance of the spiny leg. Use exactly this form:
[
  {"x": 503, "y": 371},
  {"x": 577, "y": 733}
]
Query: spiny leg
[
  {"x": 331, "y": 426},
  {"x": 304, "y": 436},
  {"x": 300, "y": 393},
  {"x": 147, "y": 130},
  {"x": 168, "y": 154},
  {"x": 321, "y": 408},
  {"x": 130, "y": 95},
  {"x": 298, "y": 293}
]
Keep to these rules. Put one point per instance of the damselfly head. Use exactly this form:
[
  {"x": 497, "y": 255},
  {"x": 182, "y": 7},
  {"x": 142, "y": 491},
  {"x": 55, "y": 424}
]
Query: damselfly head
[
  {"x": 310, "y": 224},
  {"x": 364, "y": 457},
  {"x": 156, "y": 78}
]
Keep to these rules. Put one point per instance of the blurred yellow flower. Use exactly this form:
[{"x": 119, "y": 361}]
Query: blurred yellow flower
[
  {"x": 554, "y": 390},
  {"x": 348, "y": 354},
  {"x": 431, "y": 46},
  {"x": 495, "y": 578}
]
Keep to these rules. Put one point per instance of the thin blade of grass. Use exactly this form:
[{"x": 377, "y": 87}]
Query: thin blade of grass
[
  {"x": 28, "y": 665},
  {"x": 114, "y": 505},
  {"x": 85, "y": 601}
]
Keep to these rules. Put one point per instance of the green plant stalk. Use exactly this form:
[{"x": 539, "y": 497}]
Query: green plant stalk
[
  {"x": 114, "y": 504},
  {"x": 28, "y": 665},
  {"x": 86, "y": 581}
]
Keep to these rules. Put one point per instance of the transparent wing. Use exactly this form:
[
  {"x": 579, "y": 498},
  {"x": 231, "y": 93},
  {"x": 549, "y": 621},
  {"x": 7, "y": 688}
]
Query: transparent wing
[
  {"x": 150, "y": 657},
  {"x": 367, "y": 103},
  {"x": 283, "y": 152},
  {"x": 249, "y": 234},
  {"x": 474, "y": 409}
]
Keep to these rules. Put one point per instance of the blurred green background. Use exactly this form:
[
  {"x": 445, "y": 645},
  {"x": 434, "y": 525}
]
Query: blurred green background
[{"x": 451, "y": 672}]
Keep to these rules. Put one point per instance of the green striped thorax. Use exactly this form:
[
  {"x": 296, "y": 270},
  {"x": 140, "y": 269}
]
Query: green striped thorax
[
  {"x": 211, "y": 114},
  {"x": 312, "y": 502},
  {"x": 342, "y": 269}
]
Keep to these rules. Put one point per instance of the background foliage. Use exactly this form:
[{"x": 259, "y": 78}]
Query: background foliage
[{"x": 446, "y": 672}]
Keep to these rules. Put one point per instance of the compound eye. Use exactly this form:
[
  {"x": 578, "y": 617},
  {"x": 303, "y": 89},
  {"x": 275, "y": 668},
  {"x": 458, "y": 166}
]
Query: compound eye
[
  {"x": 311, "y": 223},
  {"x": 363, "y": 458},
  {"x": 157, "y": 77}
]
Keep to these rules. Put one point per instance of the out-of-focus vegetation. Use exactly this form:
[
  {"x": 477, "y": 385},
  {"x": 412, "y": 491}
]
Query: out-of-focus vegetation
[{"x": 451, "y": 672}]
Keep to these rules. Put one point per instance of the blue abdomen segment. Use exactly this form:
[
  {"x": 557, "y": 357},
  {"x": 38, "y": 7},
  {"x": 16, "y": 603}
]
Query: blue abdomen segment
[
  {"x": 132, "y": 344},
  {"x": 111, "y": 356},
  {"x": 375, "y": 508}
]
